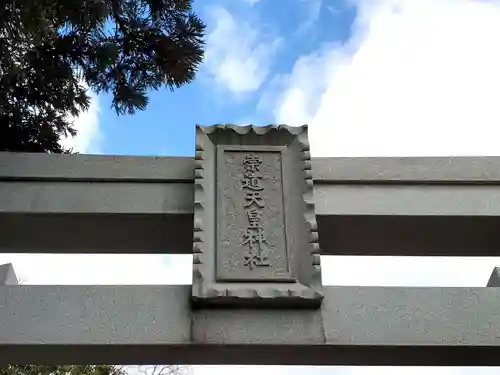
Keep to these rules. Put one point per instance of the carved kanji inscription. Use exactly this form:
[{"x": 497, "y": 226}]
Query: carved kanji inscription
[{"x": 252, "y": 239}]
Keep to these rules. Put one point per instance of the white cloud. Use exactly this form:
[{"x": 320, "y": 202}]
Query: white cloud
[
  {"x": 251, "y": 2},
  {"x": 311, "y": 14},
  {"x": 415, "y": 78},
  {"x": 106, "y": 269},
  {"x": 88, "y": 137},
  {"x": 238, "y": 55},
  {"x": 407, "y": 271},
  {"x": 306, "y": 82}
]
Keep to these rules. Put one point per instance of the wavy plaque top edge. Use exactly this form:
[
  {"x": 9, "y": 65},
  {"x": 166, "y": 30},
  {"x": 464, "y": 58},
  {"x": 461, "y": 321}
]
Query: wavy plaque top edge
[{"x": 259, "y": 130}]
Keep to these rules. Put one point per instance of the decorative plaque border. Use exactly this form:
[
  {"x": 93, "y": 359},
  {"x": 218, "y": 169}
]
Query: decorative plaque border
[{"x": 302, "y": 286}]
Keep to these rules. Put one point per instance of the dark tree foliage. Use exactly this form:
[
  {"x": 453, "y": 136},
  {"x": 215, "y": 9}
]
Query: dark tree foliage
[
  {"x": 61, "y": 370},
  {"x": 52, "y": 50}
]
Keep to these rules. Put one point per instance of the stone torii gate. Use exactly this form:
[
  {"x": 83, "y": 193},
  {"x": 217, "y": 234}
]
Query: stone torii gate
[{"x": 256, "y": 212}]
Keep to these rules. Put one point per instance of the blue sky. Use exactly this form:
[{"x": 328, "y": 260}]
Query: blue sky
[{"x": 167, "y": 126}]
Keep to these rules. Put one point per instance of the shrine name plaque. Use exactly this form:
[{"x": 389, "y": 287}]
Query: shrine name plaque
[{"x": 255, "y": 238}]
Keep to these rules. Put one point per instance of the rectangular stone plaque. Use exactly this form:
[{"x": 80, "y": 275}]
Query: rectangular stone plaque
[{"x": 255, "y": 238}]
